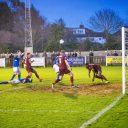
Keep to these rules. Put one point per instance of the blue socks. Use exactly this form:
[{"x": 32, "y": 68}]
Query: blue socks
[
  {"x": 13, "y": 76},
  {"x": 19, "y": 77}
]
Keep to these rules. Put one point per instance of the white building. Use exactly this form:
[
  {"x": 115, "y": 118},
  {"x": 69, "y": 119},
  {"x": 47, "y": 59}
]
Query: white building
[
  {"x": 101, "y": 40},
  {"x": 83, "y": 34}
]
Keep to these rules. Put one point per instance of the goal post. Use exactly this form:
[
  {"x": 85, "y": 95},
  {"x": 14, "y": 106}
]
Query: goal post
[
  {"x": 123, "y": 62},
  {"x": 124, "y": 57}
]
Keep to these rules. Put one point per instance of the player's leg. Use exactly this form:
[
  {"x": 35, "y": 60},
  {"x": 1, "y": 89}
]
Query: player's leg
[
  {"x": 36, "y": 74},
  {"x": 71, "y": 79},
  {"x": 29, "y": 75},
  {"x": 4, "y": 82},
  {"x": 13, "y": 76},
  {"x": 71, "y": 76},
  {"x": 102, "y": 77},
  {"x": 99, "y": 77},
  {"x": 24, "y": 80},
  {"x": 94, "y": 75},
  {"x": 15, "y": 70},
  {"x": 105, "y": 78},
  {"x": 58, "y": 79},
  {"x": 19, "y": 74}
]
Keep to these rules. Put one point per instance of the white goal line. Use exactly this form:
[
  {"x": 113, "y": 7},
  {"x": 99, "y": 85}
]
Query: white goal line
[{"x": 97, "y": 116}]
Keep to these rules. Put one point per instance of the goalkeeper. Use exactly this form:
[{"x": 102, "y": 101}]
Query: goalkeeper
[{"x": 97, "y": 72}]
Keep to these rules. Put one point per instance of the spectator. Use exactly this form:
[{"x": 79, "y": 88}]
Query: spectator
[
  {"x": 75, "y": 54},
  {"x": 69, "y": 54},
  {"x": 111, "y": 53},
  {"x": 52, "y": 57},
  {"x": 91, "y": 54},
  {"x": 11, "y": 59},
  {"x": 79, "y": 54},
  {"x": 36, "y": 55},
  {"x": 115, "y": 53},
  {"x": 45, "y": 55},
  {"x": 108, "y": 54}
]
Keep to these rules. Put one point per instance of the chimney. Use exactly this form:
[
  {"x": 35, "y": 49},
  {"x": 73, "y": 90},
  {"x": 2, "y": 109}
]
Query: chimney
[{"x": 81, "y": 26}]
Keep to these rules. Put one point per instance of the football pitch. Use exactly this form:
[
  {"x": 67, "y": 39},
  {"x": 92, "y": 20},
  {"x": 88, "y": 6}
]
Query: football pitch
[{"x": 36, "y": 105}]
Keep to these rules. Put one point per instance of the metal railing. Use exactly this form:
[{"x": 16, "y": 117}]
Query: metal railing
[{"x": 49, "y": 60}]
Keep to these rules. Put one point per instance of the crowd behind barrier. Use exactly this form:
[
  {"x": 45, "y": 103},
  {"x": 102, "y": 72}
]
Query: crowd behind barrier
[{"x": 98, "y": 57}]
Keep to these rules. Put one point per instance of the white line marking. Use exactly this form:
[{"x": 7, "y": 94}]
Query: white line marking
[
  {"x": 12, "y": 89},
  {"x": 97, "y": 116},
  {"x": 38, "y": 110}
]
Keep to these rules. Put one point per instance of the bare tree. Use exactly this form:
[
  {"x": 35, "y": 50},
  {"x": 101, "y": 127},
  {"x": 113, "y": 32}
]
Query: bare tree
[
  {"x": 12, "y": 24},
  {"x": 38, "y": 26},
  {"x": 106, "y": 20}
]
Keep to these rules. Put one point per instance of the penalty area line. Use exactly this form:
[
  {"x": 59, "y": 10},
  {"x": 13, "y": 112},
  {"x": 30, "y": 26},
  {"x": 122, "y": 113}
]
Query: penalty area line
[{"x": 97, "y": 116}]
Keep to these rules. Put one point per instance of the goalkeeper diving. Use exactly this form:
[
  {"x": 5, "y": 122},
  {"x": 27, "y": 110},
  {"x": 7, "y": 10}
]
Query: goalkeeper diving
[{"x": 97, "y": 72}]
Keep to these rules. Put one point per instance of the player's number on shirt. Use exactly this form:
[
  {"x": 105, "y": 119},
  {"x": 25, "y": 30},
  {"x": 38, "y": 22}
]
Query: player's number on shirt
[{"x": 60, "y": 61}]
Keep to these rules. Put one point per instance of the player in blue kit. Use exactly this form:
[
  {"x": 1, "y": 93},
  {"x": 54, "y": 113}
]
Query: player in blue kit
[
  {"x": 56, "y": 62},
  {"x": 23, "y": 80},
  {"x": 55, "y": 65},
  {"x": 16, "y": 65}
]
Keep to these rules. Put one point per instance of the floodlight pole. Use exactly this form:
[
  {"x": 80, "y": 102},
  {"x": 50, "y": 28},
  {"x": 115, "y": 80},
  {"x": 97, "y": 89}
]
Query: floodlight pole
[
  {"x": 123, "y": 62},
  {"x": 28, "y": 28}
]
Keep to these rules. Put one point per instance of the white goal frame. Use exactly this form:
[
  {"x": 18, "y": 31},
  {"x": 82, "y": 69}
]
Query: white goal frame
[{"x": 124, "y": 42}]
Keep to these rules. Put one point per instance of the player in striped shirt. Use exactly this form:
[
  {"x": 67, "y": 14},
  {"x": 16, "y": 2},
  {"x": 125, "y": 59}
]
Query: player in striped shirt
[
  {"x": 64, "y": 68},
  {"x": 30, "y": 69}
]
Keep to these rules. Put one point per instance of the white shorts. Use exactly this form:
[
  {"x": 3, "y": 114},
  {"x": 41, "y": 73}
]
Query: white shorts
[
  {"x": 16, "y": 69},
  {"x": 56, "y": 68}
]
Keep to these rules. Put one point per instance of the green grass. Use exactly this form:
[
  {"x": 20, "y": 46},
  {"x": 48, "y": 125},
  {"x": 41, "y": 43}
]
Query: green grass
[
  {"x": 80, "y": 74},
  {"x": 35, "y": 107},
  {"x": 114, "y": 118}
]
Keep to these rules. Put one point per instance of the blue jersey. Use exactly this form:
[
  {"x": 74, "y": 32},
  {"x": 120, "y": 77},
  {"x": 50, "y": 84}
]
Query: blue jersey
[
  {"x": 16, "y": 61},
  {"x": 56, "y": 60},
  {"x": 25, "y": 80}
]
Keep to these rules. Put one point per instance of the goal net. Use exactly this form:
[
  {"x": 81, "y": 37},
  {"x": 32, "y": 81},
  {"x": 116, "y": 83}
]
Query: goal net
[{"x": 124, "y": 58}]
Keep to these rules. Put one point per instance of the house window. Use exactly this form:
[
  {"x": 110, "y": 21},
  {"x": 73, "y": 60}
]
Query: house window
[{"x": 92, "y": 39}]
